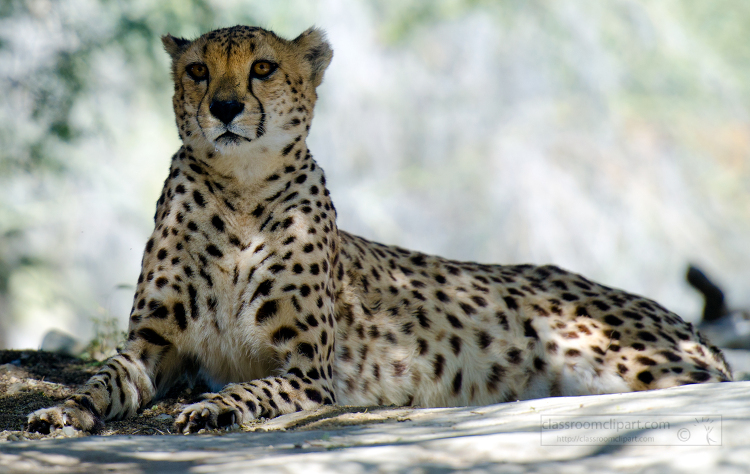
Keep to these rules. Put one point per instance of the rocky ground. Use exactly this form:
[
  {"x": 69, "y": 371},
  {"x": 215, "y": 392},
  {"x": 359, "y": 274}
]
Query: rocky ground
[
  {"x": 30, "y": 380},
  {"x": 709, "y": 432}
]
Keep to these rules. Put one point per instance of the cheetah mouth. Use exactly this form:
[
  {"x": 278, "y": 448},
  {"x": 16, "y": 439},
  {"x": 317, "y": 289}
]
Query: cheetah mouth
[{"x": 229, "y": 138}]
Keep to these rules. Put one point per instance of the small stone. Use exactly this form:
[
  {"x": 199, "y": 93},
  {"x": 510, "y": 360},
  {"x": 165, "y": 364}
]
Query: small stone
[
  {"x": 62, "y": 343},
  {"x": 163, "y": 417},
  {"x": 15, "y": 388},
  {"x": 69, "y": 431}
]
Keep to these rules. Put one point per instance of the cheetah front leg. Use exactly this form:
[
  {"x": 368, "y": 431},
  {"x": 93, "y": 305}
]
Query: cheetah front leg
[
  {"x": 304, "y": 343},
  {"x": 123, "y": 385},
  {"x": 240, "y": 403}
]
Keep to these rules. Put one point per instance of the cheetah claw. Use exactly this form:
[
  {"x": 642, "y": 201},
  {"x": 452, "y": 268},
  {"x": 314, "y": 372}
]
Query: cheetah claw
[
  {"x": 48, "y": 420},
  {"x": 205, "y": 415}
]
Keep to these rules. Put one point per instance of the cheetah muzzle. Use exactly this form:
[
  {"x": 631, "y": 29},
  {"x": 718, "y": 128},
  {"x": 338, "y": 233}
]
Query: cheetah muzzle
[{"x": 247, "y": 282}]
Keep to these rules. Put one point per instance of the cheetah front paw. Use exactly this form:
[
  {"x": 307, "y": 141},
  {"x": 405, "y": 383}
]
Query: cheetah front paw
[
  {"x": 47, "y": 420},
  {"x": 208, "y": 415}
]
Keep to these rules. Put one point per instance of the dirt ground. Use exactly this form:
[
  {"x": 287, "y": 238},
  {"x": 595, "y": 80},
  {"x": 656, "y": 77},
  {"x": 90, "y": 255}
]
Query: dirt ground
[{"x": 30, "y": 380}]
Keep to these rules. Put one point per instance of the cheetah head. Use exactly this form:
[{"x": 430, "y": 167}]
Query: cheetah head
[{"x": 244, "y": 89}]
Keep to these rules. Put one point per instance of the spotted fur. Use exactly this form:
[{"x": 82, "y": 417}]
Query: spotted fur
[{"x": 247, "y": 281}]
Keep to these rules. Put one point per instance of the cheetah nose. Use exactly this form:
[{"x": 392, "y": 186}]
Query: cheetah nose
[{"x": 225, "y": 110}]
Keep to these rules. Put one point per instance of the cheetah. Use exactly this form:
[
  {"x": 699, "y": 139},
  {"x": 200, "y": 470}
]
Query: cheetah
[{"x": 247, "y": 282}]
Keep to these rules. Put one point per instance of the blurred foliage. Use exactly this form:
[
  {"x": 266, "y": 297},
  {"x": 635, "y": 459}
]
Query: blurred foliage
[
  {"x": 108, "y": 337},
  {"x": 55, "y": 85},
  {"x": 42, "y": 88}
]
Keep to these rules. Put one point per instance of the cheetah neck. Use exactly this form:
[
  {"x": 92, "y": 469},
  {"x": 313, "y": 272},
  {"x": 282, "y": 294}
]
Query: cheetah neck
[{"x": 252, "y": 164}]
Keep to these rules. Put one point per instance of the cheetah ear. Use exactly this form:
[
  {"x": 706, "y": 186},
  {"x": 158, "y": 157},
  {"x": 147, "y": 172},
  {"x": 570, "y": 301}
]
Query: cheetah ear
[
  {"x": 174, "y": 46},
  {"x": 316, "y": 51}
]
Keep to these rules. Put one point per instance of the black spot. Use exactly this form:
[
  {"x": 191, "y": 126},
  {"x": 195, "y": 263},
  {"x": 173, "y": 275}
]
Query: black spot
[
  {"x": 454, "y": 321},
  {"x": 283, "y": 334},
  {"x": 612, "y": 320},
  {"x": 313, "y": 395},
  {"x": 152, "y": 337},
  {"x": 646, "y": 336},
  {"x": 407, "y": 327},
  {"x": 193, "y": 301},
  {"x": 305, "y": 349},
  {"x": 700, "y": 376},
  {"x": 311, "y": 321},
  {"x": 423, "y": 346},
  {"x": 405, "y": 270},
  {"x": 573, "y": 353},
  {"x": 510, "y": 302},
  {"x": 483, "y": 340},
  {"x": 601, "y": 305},
  {"x": 287, "y": 149},
  {"x": 479, "y": 301},
  {"x": 502, "y": 320},
  {"x": 160, "y": 311},
  {"x": 258, "y": 210},
  {"x": 296, "y": 372},
  {"x": 162, "y": 254},
  {"x": 267, "y": 310},
  {"x": 214, "y": 251},
  {"x": 646, "y": 360},
  {"x": 671, "y": 356},
  {"x": 455, "y": 342},
  {"x": 263, "y": 289},
  {"x": 276, "y": 268},
  {"x": 497, "y": 372},
  {"x": 632, "y": 315},
  {"x": 161, "y": 282},
  {"x": 514, "y": 355},
  {"x": 569, "y": 297},
  {"x": 179, "y": 315},
  {"x": 442, "y": 296},
  {"x": 528, "y": 330},
  {"x": 438, "y": 365},
  {"x": 457, "y": 383},
  {"x": 421, "y": 316},
  {"x": 290, "y": 196},
  {"x": 198, "y": 197},
  {"x": 539, "y": 364},
  {"x": 467, "y": 308},
  {"x": 646, "y": 377},
  {"x": 218, "y": 223}
]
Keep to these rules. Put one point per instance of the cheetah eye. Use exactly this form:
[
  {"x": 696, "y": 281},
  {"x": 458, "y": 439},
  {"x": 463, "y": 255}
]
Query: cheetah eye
[
  {"x": 197, "y": 71},
  {"x": 262, "y": 69}
]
